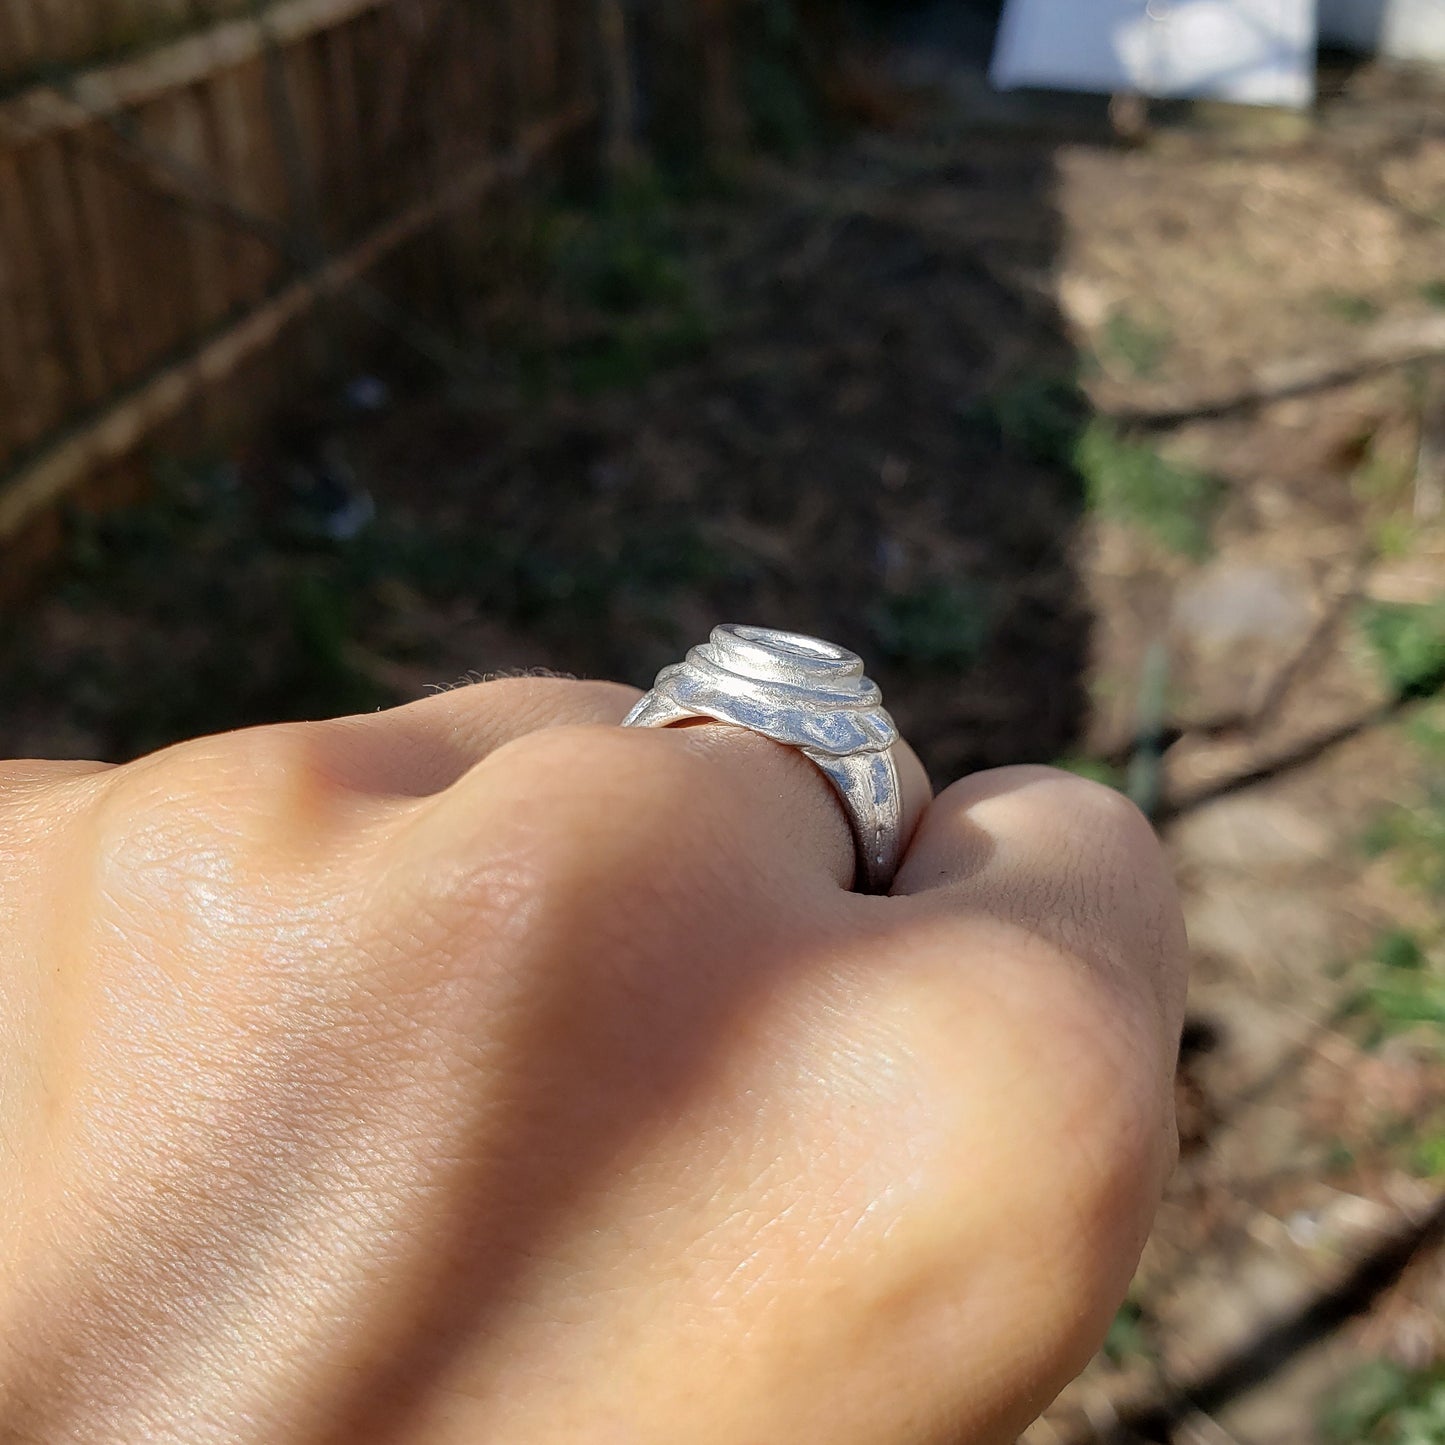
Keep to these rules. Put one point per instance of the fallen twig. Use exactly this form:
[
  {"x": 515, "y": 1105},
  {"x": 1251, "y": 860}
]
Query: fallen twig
[
  {"x": 1397, "y": 341},
  {"x": 1261, "y": 1358}
]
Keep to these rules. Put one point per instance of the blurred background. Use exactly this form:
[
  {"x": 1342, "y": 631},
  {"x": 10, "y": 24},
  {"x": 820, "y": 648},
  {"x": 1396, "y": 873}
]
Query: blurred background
[{"x": 350, "y": 349}]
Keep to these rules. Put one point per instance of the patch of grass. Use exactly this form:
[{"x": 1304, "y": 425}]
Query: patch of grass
[
  {"x": 939, "y": 624},
  {"x": 1398, "y": 948},
  {"x": 1427, "y": 732},
  {"x": 204, "y": 618},
  {"x": 623, "y": 257},
  {"x": 1046, "y": 418},
  {"x": 625, "y": 284},
  {"x": 635, "y": 348},
  {"x": 1349, "y": 306},
  {"x": 1433, "y": 292},
  {"x": 1095, "y": 770},
  {"x": 1139, "y": 347},
  {"x": 1392, "y": 536},
  {"x": 1408, "y": 640},
  {"x": 1406, "y": 988},
  {"x": 200, "y": 610},
  {"x": 1383, "y": 1403},
  {"x": 1382, "y": 478},
  {"x": 1403, "y": 1003},
  {"x": 1427, "y": 1158},
  {"x": 1131, "y": 482},
  {"x": 1039, "y": 416},
  {"x": 1415, "y": 837},
  {"x": 1128, "y": 1338}
]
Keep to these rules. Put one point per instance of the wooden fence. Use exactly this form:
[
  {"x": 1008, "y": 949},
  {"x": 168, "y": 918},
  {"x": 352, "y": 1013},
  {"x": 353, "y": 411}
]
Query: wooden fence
[{"x": 165, "y": 217}]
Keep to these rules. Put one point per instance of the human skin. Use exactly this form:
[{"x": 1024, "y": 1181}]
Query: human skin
[{"x": 480, "y": 1071}]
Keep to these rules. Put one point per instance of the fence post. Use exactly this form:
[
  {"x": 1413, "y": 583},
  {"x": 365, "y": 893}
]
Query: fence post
[{"x": 619, "y": 107}]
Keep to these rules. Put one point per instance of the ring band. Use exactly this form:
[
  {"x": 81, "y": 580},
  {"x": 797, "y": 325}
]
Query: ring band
[{"x": 806, "y": 694}]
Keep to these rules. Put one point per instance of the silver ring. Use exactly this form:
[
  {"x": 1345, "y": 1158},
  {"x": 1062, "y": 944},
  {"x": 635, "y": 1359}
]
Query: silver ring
[{"x": 807, "y": 694}]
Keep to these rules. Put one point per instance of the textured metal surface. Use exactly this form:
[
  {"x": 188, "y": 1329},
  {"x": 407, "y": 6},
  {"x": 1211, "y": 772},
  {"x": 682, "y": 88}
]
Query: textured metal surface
[{"x": 807, "y": 694}]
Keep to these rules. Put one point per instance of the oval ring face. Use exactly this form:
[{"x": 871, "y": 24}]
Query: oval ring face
[
  {"x": 769, "y": 655},
  {"x": 797, "y": 690},
  {"x": 807, "y": 694}
]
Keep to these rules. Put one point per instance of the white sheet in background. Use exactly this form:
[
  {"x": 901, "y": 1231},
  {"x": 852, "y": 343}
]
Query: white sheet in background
[
  {"x": 1260, "y": 52},
  {"x": 1400, "y": 29}
]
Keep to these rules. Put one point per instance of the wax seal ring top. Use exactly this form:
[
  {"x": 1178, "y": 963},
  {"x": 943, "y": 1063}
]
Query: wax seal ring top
[{"x": 807, "y": 694}]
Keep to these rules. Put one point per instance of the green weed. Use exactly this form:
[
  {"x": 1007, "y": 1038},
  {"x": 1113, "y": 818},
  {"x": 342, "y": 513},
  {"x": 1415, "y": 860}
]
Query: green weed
[
  {"x": 1131, "y": 482},
  {"x": 633, "y": 349},
  {"x": 1427, "y": 1158},
  {"x": 937, "y": 624},
  {"x": 1046, "y": 418},
  {"x": 1406, "y": 987},
  {"x": 1408, "y": 640},
  {"x": 1427, "y": 732},
  {"x": 626, "y": 287},
  {"x": 1128, "y": 1338},
  {"x": 206, "y": 618},
  {"x": 1348, "y": 306},
  {"x": 1382, "y": 478},
  {"x": 1392, "y": 536},
  {"x": 1095, "y": 770},
  {"x": 1403, "y": 1003},
  {"x": 1383, "y": 1403},
  {"x": 621, "y": 259},
  {"x": 1039, "y": 416},
  {"x": 1415, "y": 837},
  {"x": 1136, "y": 346},
  {"x": 1433, "y": 292},
  {"x": 1399, "y": 948}
]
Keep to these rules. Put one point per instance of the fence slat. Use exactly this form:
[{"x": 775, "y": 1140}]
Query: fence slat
[
  {"x": 65, "y": 269},
  {"x": 44, "y": 109},
  {"x": 101, "y": 196},
  {"x": 239, "y": 169},
  {"x": 46, "y": 387},
  {"x": 344, "y": 140},
  {"x": 157, "y": 259},
  {"x": 62, "y": 30},
  {"x": 181, "y": 132},
  {"x": 14, "y": 382},
  {"x": 19, "y": 36}
]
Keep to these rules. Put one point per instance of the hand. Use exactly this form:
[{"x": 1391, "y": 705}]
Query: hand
[{"x": 481, "y": 1071}]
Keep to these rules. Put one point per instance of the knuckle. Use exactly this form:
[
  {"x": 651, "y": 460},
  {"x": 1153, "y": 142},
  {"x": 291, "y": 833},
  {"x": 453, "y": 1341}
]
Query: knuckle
[
  {"x": 572, "y": 833},
  {"x": 538, "y": 701},
  {"x": 240, "y": 793},
  {"x": 277, "y": 762},
  {"x": 561, "y": 850},
  {"x": 606, "y": 802}
]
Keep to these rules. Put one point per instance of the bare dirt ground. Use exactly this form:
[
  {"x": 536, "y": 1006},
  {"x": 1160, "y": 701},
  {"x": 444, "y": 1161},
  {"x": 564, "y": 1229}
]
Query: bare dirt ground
[{"x": 873, "y": 395}]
